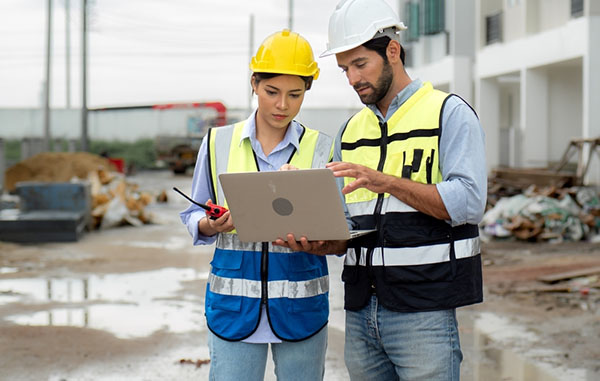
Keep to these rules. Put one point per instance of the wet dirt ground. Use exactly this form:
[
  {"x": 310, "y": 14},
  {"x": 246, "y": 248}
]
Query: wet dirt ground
[{"x": 128, "y": 304}]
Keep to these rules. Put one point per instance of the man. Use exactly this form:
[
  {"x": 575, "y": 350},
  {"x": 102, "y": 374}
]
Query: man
[{"x": 413, "y": 167}]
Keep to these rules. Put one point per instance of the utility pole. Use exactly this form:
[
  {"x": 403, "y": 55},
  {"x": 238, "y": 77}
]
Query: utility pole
[
  {"x": 68, "y": 52},
  {"x": 84, "y": 110},
  {"x": 290, "y": 14},
  {"x": 251, "y": 53},
  {"x": 47, "y": 82}
]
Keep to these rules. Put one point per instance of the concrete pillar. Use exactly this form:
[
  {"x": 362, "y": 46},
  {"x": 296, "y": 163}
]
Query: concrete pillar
[
  {"x": 591, "y": 92},
  {"x": 462, "y": 82},
  {"x": 534, "y": 117},
  {"x": 488, "y": 108}
]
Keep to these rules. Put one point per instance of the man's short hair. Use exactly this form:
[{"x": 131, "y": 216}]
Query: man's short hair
[{"x": 380, "y": 46}]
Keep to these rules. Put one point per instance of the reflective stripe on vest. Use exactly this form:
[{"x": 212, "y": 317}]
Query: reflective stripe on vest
[
  {"x": 420, "y": 255},
  {"x": 276, "y": 288},
  {"x": 389, "y": 203},
  {"x": 231, "y": 242}
]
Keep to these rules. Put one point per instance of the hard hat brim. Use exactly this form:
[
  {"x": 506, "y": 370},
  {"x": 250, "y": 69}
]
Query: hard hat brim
[
  {"x": 399, "y": 27},
  {"x": 340, "y": 49}
]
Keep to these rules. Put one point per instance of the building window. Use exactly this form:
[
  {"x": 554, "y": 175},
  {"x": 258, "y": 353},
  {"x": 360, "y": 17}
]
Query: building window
[
  {"x": 576, "y": 8},
  {"x": 493, "y": 28},
  {"x": 412, "y": 14},
  {"x": 433, "y": 16}
]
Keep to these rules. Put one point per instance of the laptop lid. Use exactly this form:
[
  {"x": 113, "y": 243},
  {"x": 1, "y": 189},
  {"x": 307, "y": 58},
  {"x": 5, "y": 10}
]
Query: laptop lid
[{"x": 269, "y": 205}]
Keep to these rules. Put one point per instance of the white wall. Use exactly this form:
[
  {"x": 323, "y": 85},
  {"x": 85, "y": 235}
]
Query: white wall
[
  {"x": 565, "y": 109},
  {"x": 510, "y": 123},
  {"x": 514, "y": 20},
  {"x": 554, "y": 13},
  {"x": 489, "y": 115},
  {"x": 131, "y": 125},
  {"x": 534, "y": 117}
]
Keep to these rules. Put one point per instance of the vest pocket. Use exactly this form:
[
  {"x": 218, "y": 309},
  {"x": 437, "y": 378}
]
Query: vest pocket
[
  {"x": 317, "y": 303},
  {"x": 227, "y": 259},
  {"x": 224, "y": 303},
  {"x": 407, "y": 230},
  {"x": 350, "y": 274},
  {"x": 302, "y": 262},
  {"x": 226, "y": 265},
  {"x": 403, "y": 235},
  {"x": 435, "y": 272}
]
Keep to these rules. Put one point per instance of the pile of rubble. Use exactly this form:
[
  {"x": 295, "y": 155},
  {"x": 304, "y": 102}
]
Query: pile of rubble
[
  {"x": 542, "y": 213},
  {"x": 117, "y": 202},
  {"x": 54, "y": 167},
  {"x": 114, "y": 201}
]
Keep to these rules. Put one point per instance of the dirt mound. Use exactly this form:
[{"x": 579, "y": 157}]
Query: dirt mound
[{"x": 54, "y": 167}]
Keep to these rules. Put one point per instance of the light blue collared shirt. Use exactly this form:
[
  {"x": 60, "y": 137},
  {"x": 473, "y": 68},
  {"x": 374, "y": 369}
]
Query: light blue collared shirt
[{"x": 462, "y": 156}]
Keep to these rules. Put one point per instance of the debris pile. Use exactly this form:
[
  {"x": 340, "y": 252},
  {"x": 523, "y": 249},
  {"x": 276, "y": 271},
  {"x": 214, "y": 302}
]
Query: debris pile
[
  {"x": 114, "y": 201},
  {"x": 54, "y": 167},
  {"x": 575, "y": 289},
  {"x": 117, "y": 202},
  {"x": 547, "y": 213}
]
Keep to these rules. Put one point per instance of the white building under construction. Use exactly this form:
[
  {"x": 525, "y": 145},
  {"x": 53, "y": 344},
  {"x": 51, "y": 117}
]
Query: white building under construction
[{"x": 531, "y": 69}]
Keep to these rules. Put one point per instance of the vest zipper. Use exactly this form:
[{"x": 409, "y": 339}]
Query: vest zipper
[{"x": 264, "y": 266}]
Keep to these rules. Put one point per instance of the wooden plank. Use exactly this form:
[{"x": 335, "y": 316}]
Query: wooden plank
[
  {"x": 555, "y": 288},
  {"x": 523, "y": 177},
  {"x": 553, "y": 278}
]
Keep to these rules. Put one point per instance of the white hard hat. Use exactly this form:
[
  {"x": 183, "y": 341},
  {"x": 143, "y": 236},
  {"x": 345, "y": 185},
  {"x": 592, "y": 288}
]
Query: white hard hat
[{"x": 355, "y": 22}]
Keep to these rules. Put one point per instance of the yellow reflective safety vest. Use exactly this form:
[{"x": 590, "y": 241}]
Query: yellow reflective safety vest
[
  {"x": 414, "y": 262},
  {"x": 294, "y": 286}
]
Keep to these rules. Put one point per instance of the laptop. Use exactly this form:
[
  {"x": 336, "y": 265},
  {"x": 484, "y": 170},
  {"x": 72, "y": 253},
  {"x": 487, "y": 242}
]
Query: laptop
[{"x": 269, "y": 205}]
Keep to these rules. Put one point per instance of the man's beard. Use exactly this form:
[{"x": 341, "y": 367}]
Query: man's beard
[{"x": 381, "y": 88}]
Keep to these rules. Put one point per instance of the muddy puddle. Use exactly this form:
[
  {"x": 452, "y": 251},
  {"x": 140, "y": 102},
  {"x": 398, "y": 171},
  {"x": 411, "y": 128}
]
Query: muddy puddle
[
  {"x": 126, "y": 305},
  {"x": 497, "y": 349},
  {"x": 136, "y": 305}
]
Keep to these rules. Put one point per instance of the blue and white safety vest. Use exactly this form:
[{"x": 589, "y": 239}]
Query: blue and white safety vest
[{"x": 294, "y": 286}]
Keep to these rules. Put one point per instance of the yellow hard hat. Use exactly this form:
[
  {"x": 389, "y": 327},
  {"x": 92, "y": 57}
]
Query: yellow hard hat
[{"x": 285, "y": 52}]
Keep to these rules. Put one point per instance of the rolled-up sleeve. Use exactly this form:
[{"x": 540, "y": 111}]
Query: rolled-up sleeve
[
  {"x": 462, "y": 162},
  {"x": 200, "y": 192}
]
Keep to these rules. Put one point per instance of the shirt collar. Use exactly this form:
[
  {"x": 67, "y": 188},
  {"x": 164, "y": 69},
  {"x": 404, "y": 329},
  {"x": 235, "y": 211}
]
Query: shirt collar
[
  {"x": 398, "y": 100},
  {"x": 292, "y": 135}
]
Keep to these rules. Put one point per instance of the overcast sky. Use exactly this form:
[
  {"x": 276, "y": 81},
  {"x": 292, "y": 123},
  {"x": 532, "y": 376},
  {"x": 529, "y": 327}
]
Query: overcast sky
[{"x": 156, "y": 51}]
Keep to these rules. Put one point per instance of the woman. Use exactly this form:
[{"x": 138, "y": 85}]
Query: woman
[{"x": 259, "y": 294}]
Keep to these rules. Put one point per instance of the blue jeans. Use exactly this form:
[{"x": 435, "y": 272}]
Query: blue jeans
[
  {"x": 235, "y": 360},
  {"x": 387, "y": 345}
]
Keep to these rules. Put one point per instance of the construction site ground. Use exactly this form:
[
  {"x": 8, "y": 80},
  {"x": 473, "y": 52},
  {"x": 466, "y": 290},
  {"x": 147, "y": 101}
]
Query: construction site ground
[{"x": 127, "y": 303}]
